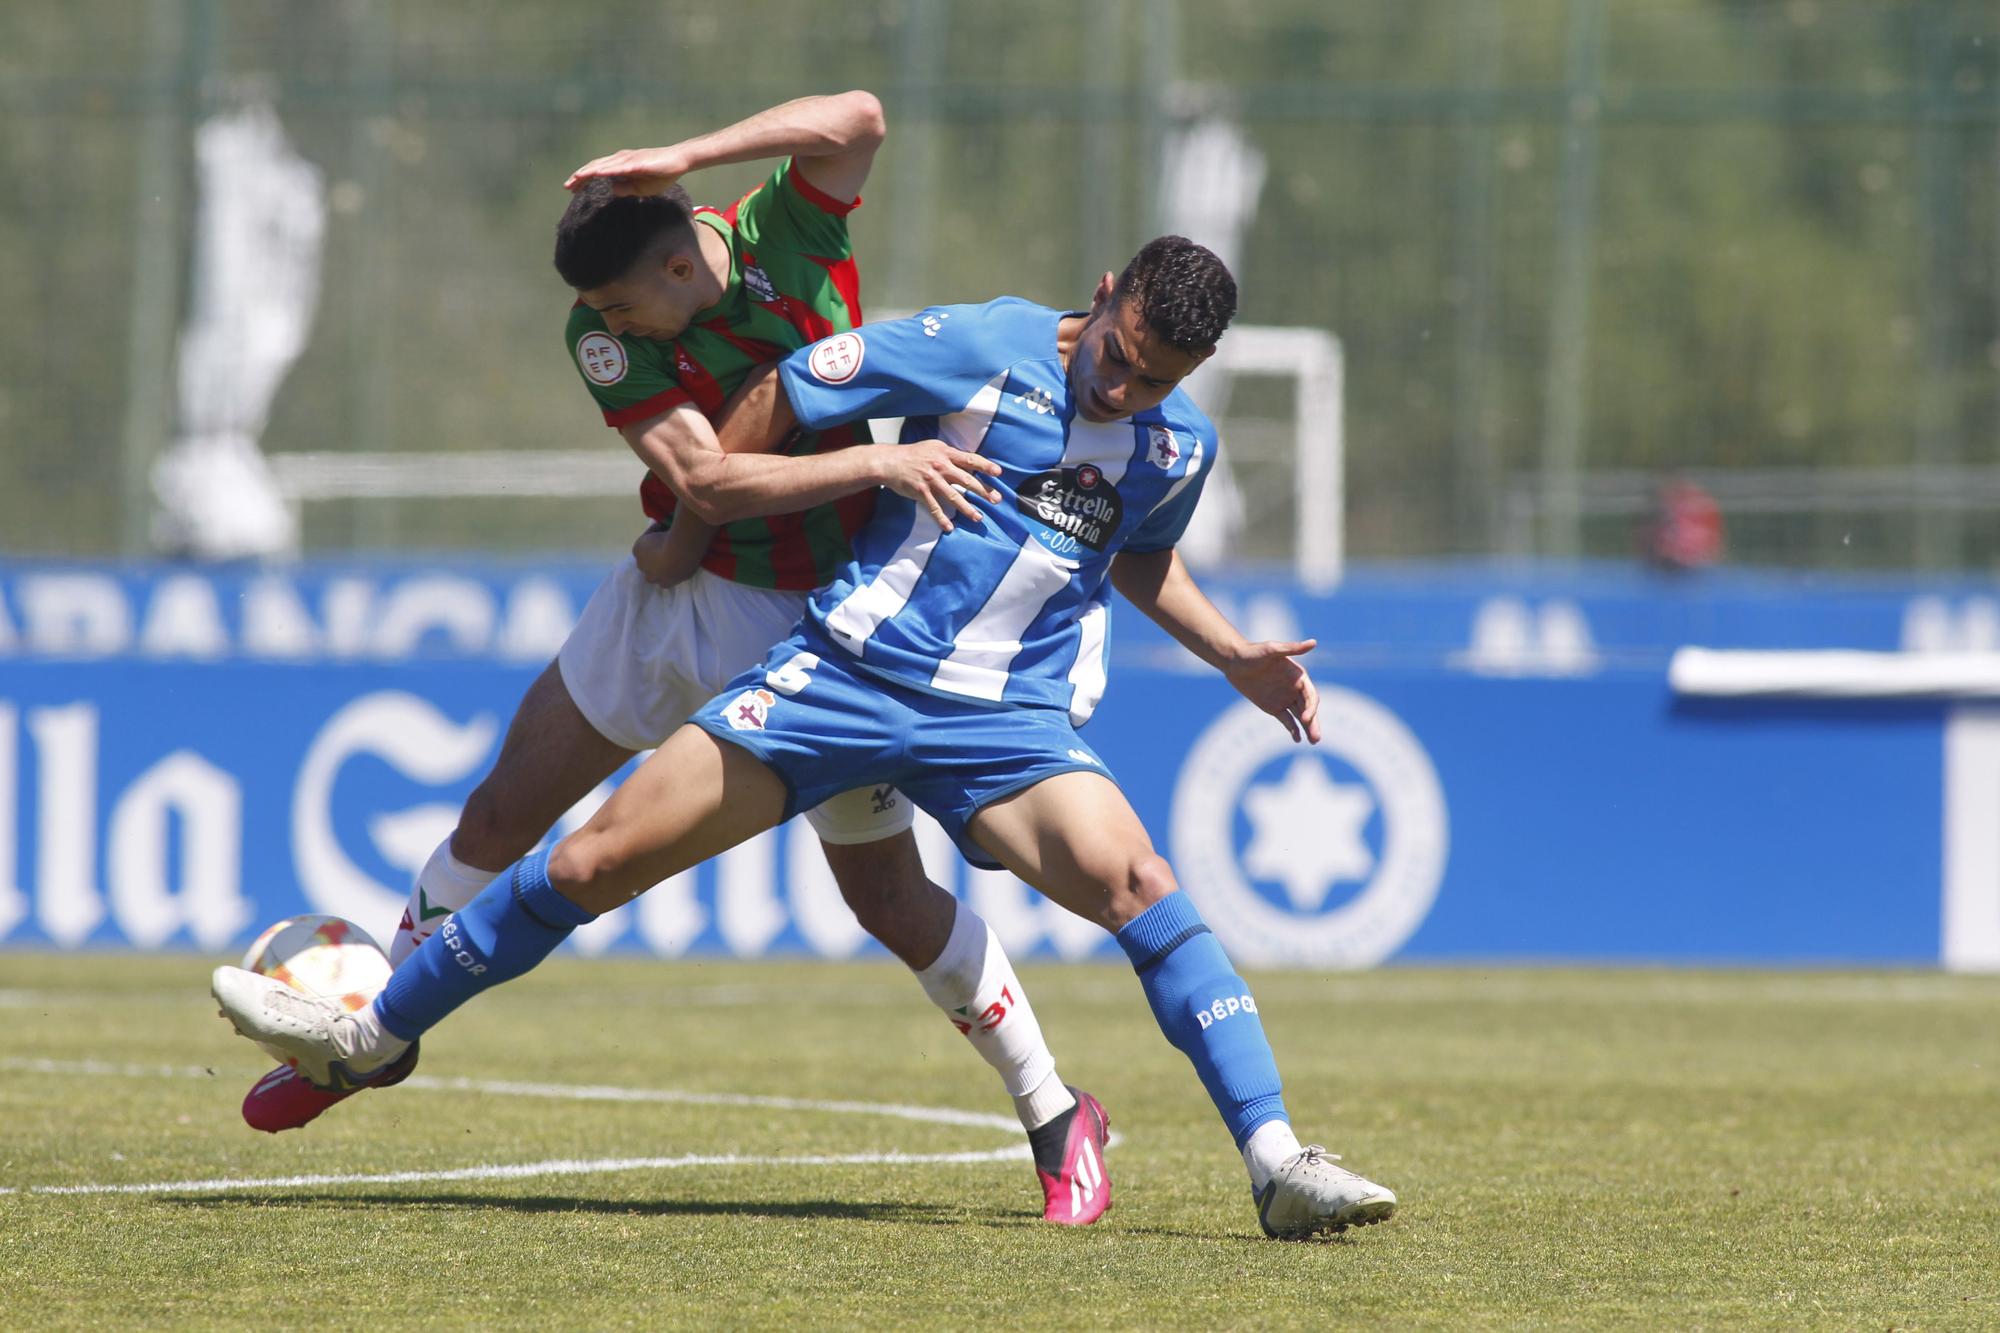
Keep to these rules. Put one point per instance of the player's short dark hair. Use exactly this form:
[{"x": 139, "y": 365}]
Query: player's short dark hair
[
  {"x": 1184, "y": 293},
  {"x": 602, "y": 235}
]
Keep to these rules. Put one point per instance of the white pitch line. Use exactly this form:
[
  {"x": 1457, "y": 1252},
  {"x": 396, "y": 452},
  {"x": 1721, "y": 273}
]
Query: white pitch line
[
  {"x": 529, "y": 1170},
  {"x": 935, "y": 1115},
  {"x": 938, "y": 1115},
  {"x": 575, "y": 1092}
]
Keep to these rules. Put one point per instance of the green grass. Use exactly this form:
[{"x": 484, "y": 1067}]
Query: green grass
[{"x": 1581, "y": 1149}]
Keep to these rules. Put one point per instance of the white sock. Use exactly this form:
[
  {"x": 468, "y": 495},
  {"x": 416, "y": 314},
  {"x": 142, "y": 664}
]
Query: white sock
[
  {"x": 444, "y": 885},
  {"x": 1043, "y": 1103},
  {"x": 1269, "y": 1147},
  {"x": 975, "y": 985},
  {"x": 365, "y": 1043}
]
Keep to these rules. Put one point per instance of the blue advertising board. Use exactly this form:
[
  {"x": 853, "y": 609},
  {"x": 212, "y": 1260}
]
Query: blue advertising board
[{"x": 187, "y": 754}]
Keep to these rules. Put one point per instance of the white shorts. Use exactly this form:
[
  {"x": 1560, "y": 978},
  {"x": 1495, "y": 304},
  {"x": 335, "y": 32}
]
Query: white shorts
[{"x": 642, "y": 659}]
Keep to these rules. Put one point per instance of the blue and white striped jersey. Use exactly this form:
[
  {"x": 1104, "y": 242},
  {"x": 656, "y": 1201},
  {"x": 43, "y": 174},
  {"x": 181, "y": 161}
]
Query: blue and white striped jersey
[{"x": 1014, "y": 610}]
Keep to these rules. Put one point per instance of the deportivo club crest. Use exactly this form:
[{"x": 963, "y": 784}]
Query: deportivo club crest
[
  {"x": 1330, "y": 855},
  {"x": 747, "y": 711}
]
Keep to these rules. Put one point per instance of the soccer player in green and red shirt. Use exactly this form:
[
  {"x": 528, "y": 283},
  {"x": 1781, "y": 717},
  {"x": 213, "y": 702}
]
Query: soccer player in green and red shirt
[{"x": 676, "y": 307}]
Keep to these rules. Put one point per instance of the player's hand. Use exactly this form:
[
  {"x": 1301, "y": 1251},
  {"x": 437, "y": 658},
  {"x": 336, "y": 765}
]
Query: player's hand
[
  {"x": 665, "y": 561},
  {"x": 633, "y": 170},
  {"x": 1266, "y": 675},
  {"x": 937, "y": 477}
]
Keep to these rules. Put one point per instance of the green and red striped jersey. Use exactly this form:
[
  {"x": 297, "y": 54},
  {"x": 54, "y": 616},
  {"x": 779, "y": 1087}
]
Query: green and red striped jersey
[{"x": 792, "y": 280}]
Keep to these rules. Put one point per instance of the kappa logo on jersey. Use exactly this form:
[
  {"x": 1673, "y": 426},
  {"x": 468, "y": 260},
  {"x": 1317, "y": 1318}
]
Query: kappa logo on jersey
[
  {"x": 1084, "y": 757},
  {"x": 1037, "y": 400},
  {"x": 933, "y": 323},
  {"x": 837, "y": 360},
  {"x": 602, "y": 358},
  {"x": 1162, "y": 450},
  {"x": 1075, "y": 502},
  {"x": 759, "y": 283},
  {"x": 747, "y": 711}
]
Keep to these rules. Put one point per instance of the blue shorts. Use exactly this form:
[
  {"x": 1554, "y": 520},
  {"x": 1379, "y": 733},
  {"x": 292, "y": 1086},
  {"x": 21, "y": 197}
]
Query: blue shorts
[{"x": 825, "y": 726}]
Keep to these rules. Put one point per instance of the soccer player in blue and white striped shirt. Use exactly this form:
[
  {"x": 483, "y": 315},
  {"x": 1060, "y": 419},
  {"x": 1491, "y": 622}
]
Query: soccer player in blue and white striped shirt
[{"x": 955, "y": 657}]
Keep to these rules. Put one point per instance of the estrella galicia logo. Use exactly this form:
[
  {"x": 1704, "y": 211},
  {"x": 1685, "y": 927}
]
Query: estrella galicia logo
[
  {"x": 1329, "y": 855},
  {"x": 1074, "y": 501}
]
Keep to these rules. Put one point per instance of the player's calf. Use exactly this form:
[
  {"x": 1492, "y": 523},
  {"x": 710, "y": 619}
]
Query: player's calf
[{"x": 1209, "y": 1013}]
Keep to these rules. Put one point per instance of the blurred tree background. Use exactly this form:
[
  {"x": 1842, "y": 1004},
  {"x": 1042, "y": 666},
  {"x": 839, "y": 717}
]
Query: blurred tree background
[{"x": 1569, "y": 246}]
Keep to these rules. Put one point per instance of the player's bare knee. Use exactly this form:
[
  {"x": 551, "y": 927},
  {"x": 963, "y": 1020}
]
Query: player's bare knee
[
  {"x": 1149, "y": 880},
  {"x": 580, "y": 863}
]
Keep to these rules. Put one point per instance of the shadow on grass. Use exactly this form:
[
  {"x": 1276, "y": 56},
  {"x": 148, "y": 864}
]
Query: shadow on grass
[
  {"x": 899, "y": 1213},
  {"x": 933, "y": 1214}
]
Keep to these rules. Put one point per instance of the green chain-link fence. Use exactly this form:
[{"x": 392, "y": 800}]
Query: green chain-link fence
[{"x": 1569, "y": 246}]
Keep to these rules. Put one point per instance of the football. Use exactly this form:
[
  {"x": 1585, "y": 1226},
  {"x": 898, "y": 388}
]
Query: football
[{"x": 323, "y": 956}]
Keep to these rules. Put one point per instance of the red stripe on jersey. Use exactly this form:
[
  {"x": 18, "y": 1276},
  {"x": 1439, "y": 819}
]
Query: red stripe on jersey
[
  {"x": 791, "y": 555},
  {"x": 756, "y": 349},
  {"x": 656, "y": 499},
  {"x": 660, "y": 503},
  {"x": 701, "y": 386},
  {"x": 855, "y": 511},
  {"x": 846, "y": 276},
  {"x": 721, "y": 558},
  {"x": 664, "y": 401},
  {"x": 817, "y": 197}
]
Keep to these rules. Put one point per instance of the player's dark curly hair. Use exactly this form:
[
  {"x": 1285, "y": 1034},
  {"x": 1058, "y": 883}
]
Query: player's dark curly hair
[
  {"x": 1185, "y": 293},
  {"x": 602, "y": 235}
]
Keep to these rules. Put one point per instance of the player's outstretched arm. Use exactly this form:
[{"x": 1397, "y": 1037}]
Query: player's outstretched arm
[
  {"x": 1158, "y": 583},
  {"x": 833, "y": 139},
  {"x": 755, "y": 419},
  {"x": 681, "y": 448}
]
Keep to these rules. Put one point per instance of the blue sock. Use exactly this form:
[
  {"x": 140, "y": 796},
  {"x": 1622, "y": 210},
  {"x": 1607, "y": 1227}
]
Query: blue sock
[
  {"x": 1206, "y": 1011},
  {"x": 514, "y": 923}
]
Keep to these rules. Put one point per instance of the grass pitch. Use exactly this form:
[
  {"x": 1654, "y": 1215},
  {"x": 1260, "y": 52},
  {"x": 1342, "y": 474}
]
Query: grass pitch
[{"x": 1578, "y": 1149}]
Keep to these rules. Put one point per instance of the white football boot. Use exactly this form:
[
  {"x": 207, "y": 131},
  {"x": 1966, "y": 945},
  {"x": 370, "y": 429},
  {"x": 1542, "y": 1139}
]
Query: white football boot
[
  {"x": 1309, "y": 1194},
  {"x": 328, "y": 1045}
]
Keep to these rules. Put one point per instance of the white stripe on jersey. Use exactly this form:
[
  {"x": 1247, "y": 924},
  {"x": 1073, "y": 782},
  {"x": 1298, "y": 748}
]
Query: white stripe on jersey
[
  {"x": 985, "y": 647},
  {"x": 989, "y": 642},
  {"x": 862, "y": 611},
  {"x": 966, "y": 428},
  {"x": 1086, "y": 677}
]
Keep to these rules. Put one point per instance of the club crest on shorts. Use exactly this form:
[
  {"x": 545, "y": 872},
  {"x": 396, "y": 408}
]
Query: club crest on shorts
[
  {"x": 1162, "y": 450},
  {"x": 747, "y": 711},
  {"x": 602, "y": 358},
  {"x": 837, "y": 360}
]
